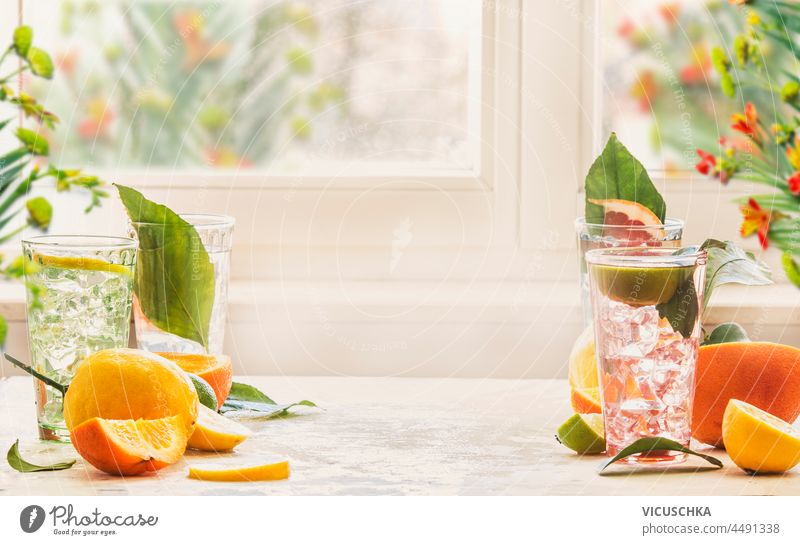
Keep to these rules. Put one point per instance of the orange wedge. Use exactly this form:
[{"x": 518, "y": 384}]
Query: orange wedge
[
  {"x": 217, "y": 370},
  {"x": 130, "y": 447}
]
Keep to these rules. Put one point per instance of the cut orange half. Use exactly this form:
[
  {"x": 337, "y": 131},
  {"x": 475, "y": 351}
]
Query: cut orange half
[
  {"x": 217, "y": 370},
  {"x": 130, "y": 447}
]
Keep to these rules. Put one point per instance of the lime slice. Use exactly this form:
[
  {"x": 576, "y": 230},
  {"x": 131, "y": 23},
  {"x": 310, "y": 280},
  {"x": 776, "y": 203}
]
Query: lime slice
[
  {"x": 583, "y": 433},
  {"x": 80, "y": 263},
  {"x": 639, "y": 286}
]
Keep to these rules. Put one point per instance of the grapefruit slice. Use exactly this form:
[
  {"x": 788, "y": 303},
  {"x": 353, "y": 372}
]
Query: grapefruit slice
[
  {"x": 130, "y": 447},
  {"x": 585, "y": 400},
  {"x": 630, "y": 220}
]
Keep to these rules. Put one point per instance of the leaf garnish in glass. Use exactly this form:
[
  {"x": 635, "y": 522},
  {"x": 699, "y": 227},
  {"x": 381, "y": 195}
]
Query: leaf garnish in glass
[{"x": 174, "y": 282}]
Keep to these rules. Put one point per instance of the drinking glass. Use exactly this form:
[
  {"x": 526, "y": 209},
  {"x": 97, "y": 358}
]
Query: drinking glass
[
  {"x": 79, "y": 301},
  {"x": 216, "y": 234},
  {"x": 599, "y": 235},
  {"x": 646, "y": 305}
]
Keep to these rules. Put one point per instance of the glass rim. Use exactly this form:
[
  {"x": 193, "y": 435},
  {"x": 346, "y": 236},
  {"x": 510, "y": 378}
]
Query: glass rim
[
  {"x": 198, "y": 220},
  {"x": 647, "y": 257},
  {"x": 669, "y": 224},
  {"x": 81, "y": 242}
]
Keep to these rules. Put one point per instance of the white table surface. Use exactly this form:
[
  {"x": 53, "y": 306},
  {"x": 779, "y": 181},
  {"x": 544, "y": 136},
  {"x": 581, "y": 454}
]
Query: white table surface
[{"x": 390, "y": 436}]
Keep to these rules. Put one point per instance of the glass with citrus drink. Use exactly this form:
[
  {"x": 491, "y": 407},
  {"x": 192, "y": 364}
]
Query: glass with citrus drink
[
  {"x": 646, "y": 307},
  {"x": 79, "y": 291}
]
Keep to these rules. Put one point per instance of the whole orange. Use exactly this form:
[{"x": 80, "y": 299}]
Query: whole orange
[{"x": 763, "y": 374}]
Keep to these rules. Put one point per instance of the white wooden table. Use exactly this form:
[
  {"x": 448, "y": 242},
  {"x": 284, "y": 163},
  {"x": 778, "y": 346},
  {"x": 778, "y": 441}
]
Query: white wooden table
[{"x": 391, "y": 436}]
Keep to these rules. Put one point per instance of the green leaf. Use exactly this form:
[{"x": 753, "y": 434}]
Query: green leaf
[
  {"x": 730, "y": 264},
  {"x": 3, "y": 330},
  {"x": 616, "y": 174},
  {"x": 727, "y": 263},
  {"x": 12, "y": 157},
  {"x": 174, "y": 281},
  {"x": 791, "y": 268},
  {"x": 245, "y": 392},
  {"x": 649, "y": 444},
  {"x": 16, "y": 462},
  {"x": 728, "y": 332},
  {"x": 244, "y": 397},
  {"x": 23, "y": 38},
  {"x": 32, "y": 140},
  {"x": 41, "y": 63},
  {"x": 40, "y": 212}
]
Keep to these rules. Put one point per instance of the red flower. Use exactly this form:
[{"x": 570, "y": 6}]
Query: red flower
[
  {"x": 747, "y": 123},
  {"x": 757, "y": 220},
  {"x": 794, "y": 183},
  {"x": 625, "y": 28},
  {"x": 707, "y": 163}
]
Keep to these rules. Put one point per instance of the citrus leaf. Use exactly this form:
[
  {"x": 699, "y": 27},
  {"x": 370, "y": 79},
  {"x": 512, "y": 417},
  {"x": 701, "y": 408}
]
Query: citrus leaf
[
  {"x": 174, "y": 282},
  {"x": 244, "y": 397},
  {"x": 23, "y": 38},
  {"x": 41, "y": 63},
  {"x": 791, "y": 268},
  {"x": 245, "y": 392},
  {"x": 16, "y": 462},
  {"x": 730, "y": 264},
  {"x": 649, "y": 444},
  {"x": 617, "y": 174}
]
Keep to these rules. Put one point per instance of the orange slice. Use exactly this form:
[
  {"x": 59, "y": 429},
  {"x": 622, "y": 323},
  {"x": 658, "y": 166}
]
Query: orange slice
[
  {"x": 130, "y": 447},
  {"x": 585, "y": 400},
  {"x": 217, "y": 370}
]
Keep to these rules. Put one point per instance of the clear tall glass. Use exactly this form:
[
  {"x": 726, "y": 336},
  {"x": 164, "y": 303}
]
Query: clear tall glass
[
  {"x": 599, "y": 235},
  {"x": 646, "y": 306},
  {"x": 79, "y": 292},
  {"x": 216, "y": 234}
]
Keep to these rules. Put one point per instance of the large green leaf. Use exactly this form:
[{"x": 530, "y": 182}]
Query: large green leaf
[
  {"x": 244, "y": 397},
  {"x": 650, "y": 444},
  {"x": 174, "y": 282},
  {"x": 616, "y": 174}
]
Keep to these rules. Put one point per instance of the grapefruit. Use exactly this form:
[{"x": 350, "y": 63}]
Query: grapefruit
[
  {"x": 763, "y": 374},
  {"x": 125, "y": 384},
  {"x": 130, "y": 447},
  {"x": 630, "y": 220},
  {"x": 757, "y": 441},
  {"x": 217, "y": 370}
]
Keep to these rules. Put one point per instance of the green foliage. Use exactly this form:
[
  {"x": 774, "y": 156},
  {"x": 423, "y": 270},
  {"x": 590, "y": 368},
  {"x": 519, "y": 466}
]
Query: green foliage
[
  {"x": 244, "y": 397},
  {"x": 174, "y": 281},
  {"x": 15, "y": 460},
  {"x": 616, "y": 174},
  {"x": 651, "y": 444},
  {"x": 23, "y": 37}
]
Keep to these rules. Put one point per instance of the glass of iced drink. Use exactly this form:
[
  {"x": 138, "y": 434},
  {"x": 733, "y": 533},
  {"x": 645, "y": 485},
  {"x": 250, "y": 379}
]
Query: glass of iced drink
[
  {"x": 79, "y": 291},
  {"x": 647, "y": 304},
  {"x": 592, "y": 236}
]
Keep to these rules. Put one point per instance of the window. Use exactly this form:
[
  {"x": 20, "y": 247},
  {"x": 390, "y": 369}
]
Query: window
[{"x": 255, "y": 83}]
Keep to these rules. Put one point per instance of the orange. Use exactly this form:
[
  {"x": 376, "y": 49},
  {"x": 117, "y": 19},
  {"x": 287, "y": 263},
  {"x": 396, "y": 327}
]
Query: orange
[
  {"x": 123, "y": 384},
  {"x": 583, "y": 382},
  {"x": 217, "y": 370},
  {"x": 130, "y": 447},
  {"x": 766, "y": 375}
]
